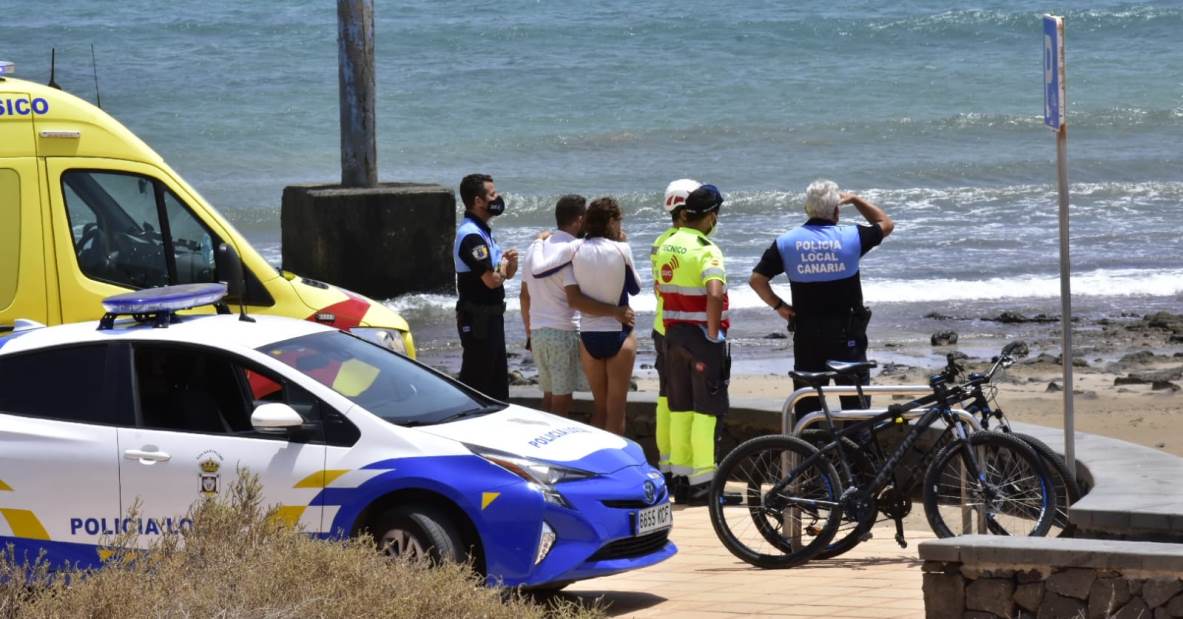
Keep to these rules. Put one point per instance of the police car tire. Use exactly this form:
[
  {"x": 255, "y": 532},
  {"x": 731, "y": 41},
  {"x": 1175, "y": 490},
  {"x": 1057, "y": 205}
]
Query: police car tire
[{"x": 428, "y": 526}]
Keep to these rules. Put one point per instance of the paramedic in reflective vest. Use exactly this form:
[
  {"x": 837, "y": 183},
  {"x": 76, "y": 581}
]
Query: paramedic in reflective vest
[
  {"x": 693, "y": 288},
  {"x": 821, "y": 260},
  {"x": 481, "y": 271},
  {"x": 675, "y": 198}
]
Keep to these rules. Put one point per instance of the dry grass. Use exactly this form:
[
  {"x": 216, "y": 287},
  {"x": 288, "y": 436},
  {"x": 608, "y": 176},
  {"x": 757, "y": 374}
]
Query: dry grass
[{"x": 237, "y": 561}]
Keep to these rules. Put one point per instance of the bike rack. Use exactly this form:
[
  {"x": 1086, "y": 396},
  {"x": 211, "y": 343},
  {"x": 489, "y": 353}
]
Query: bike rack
[{"x": 792, "y": 428}]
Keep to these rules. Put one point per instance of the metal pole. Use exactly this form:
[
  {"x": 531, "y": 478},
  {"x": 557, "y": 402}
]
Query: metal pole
[
  {"x": 1066, "y": 296},
  {"x": 355, "y": 59}
]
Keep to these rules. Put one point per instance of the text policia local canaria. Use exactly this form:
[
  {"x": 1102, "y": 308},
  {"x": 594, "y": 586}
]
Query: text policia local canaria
[{"x": 819, "y": 257}]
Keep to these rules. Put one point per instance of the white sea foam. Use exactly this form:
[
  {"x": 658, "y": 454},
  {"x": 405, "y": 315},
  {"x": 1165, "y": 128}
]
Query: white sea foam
[{"x": 1098, "y": 283}]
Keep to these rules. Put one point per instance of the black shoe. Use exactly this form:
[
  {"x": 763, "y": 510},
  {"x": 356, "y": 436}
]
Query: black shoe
[
  {"x": 697, "y": 495},
  {"x": 679, "y": 490},
  {"x": 669, "y": 483}
]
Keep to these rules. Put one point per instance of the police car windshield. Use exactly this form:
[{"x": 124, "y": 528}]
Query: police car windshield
[{"x": 382, "y": 382}]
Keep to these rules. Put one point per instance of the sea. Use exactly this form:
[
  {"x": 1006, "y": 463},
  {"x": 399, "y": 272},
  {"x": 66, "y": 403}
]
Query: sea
[{"x": 933, "y": 110}]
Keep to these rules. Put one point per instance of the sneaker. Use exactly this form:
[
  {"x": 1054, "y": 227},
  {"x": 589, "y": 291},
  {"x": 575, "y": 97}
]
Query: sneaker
[
  {"x": 678, "y": 490},
  {"x": 697, "y": 495}
]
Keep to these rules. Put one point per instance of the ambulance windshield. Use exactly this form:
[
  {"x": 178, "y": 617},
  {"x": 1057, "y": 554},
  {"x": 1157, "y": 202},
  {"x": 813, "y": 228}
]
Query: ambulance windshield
[{"x": 380, "y": 381}]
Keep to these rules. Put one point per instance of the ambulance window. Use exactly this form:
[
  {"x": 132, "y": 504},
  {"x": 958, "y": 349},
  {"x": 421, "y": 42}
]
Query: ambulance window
[
  {"x": 193, "y": 244},
  {"x": 58, "y": 383},
  {"x": 10, "y": 234},
  {"x": 116, "y": 228}
]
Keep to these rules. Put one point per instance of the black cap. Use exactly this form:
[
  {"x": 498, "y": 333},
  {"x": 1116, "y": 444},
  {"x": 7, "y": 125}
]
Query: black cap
[{"x": 703, "y": 200}]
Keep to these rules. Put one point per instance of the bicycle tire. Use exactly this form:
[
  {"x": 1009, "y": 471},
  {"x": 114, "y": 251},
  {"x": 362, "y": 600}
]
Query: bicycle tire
[
  {"x": 851, "y": 531},
  {"x": 1067, "y": 488},
  {"x": 754, "y": 467},
  {"x": 1008, "y": 464}
]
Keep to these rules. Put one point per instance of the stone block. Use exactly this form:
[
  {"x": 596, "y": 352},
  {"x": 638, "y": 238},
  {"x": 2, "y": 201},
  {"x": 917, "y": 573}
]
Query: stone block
[
  {"x": 991, "y": 595},
  {"x": 944, "y": 596},
  {"x": 1073, "y": 583},
  {"x": 1106, "y": 596},
  {"x": 1028, "y": 595},
  {"x": 380, "y": 241},
  {"x": 1056, "y": 606},
  {"x": 1157, "y": 592},
  {"x": 1136, "y": 608},
  {"x": 1028, "y": 576},
  {"x": 977, "y": 614}
]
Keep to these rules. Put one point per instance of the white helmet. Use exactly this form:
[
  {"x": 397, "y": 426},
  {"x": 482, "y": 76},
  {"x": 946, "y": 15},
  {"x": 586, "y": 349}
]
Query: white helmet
[{"x": 677, "y": 192}]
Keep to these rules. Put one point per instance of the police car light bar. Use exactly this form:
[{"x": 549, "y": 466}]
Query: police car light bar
[
  {"x": 7, "y": 68},
  {"x": 161, "y": 302}
]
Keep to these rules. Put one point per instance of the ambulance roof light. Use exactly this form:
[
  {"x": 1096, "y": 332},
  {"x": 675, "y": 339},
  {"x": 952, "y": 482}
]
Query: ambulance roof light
[
  {"x": 6, "y": 68},
  {"x": 161, "y": 302}
]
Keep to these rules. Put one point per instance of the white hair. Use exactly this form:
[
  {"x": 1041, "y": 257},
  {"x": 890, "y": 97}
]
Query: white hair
[{"x": 821, "y": 199}]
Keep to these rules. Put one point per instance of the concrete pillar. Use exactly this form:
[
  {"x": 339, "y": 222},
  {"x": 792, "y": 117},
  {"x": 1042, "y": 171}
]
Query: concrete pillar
[{"x": 380, "y": 241}]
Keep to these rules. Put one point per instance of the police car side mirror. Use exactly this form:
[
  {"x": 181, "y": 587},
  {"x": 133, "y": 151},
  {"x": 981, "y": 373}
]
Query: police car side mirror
[{"x": 275, "y": 418}]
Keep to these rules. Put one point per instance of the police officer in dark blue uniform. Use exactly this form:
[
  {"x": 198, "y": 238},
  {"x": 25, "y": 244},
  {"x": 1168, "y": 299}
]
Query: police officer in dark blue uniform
[
  {"x": 821, "y": 260},
  {"x": 481, "y": 271}
]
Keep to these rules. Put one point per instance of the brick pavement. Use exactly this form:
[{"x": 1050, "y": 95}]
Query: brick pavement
[{"x": 876, "y": 579}]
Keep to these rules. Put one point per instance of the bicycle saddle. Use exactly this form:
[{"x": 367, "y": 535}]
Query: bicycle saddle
[
  {"x": 813, "y": 379},
  {"x": 850, "y": 367}
]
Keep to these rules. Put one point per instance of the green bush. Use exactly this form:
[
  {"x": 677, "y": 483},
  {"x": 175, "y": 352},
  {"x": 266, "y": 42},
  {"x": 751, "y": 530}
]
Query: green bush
[{"x": 240, "y": 561}]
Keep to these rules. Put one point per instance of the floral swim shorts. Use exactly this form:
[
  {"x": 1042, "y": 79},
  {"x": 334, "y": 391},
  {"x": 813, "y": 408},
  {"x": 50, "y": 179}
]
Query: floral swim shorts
[{"x": 556, "y": 353}]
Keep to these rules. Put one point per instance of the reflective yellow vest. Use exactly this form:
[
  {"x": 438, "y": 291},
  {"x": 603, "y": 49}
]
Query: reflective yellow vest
[
  {"x": 686, "y": 261},
  {"x": 658, "y": 321}
]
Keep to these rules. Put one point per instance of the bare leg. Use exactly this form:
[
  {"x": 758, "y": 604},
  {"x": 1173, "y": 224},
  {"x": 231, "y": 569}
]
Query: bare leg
[
  {"x": 597, "y": 378},
  {"x": 561, "y": 404},
  {"x": 547, "y": 401},
  {"x": 620, "y": 374}
]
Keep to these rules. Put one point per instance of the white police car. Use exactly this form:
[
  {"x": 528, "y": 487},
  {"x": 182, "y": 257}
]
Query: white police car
[{"x": 345, "y": 436}]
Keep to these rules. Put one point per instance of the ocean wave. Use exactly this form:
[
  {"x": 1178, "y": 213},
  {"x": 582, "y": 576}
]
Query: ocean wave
[{"x": 1115, "y": 283}]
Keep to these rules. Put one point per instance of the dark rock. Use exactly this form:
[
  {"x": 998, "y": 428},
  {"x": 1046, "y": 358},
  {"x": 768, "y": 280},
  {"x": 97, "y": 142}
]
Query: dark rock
[
  {"x": 1162, "y": 385},
  {"x": 1028, "y": 577},
  {"x": 1127, "y": 380},
  {"x": 1174, "y": 607},
  {"x": 512, "y": 355},
  {"x": 978, "y": 614},
  {"x": 1149, "y": 378},
  {"x": 1072, "y": 582},
  {"x": 777, "y": 335},
  {"x": 1142, "y": 357},
  {"x": 1087, "y": 395},
  {"x": 1107, "y": 596},
  {"x": 1077, "y": 362},
  {"x": 943, "y": 338},
  {"x": 944, "y": 595},
  {"x": 1028, "y": 595},
  {"x": 1043, "y": 358},
  {"x": 632, "y": 385},
  {"x": 1157, "y": 592},
  {"x": 1056, "y": 606},
  {"x": 517, "y": 379},
  {"x": 1009, "y": 317},
  {"x": 1053, "y": 387},
  {"x": 1164, "y": 320},
  {"x": 937, "y": 316},
  {"x": 1134, "y": 609},
  {"x": 646, "y": 366},
  {"x": 992, "y": 595},
  {"x": 957, "y": 355},
  {"x": 1136, "y": 587}
]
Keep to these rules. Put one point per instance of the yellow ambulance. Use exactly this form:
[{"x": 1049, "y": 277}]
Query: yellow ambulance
[{"x": 88, "y": 210}]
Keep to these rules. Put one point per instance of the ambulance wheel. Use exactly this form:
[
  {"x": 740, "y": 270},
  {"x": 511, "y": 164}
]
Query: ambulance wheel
[{"x": 418, "y": 533}]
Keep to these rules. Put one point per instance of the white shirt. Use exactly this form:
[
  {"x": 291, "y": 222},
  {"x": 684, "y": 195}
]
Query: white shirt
[
  {"x": 548, "y": 297},
  {"x": 600, "y": 266}
]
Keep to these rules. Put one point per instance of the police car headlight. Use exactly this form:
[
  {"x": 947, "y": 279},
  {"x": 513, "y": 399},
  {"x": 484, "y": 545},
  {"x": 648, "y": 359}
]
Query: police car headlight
[
  {"x": 542, "y": 475},
  {"x": 390, "y": 339}
]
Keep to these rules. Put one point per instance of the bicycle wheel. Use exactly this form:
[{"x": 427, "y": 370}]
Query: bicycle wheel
[
  {"x": 853, "y": 528},
  {"x": 803, "y": 517},
  {"x": 1011, "y": 494},
  {"x": 1067, "y": 489}
]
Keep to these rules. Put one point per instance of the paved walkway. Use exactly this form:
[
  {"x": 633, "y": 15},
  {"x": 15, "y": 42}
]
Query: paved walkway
[{"x": 876, "y": 579}]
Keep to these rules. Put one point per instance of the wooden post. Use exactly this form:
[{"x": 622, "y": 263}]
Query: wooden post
[{"x": 355, "y": 58}]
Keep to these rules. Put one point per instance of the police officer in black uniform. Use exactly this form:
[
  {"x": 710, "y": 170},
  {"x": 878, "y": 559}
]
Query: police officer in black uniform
[
  {"x": 481, "y": 271},
  {"x": 821, "y": 260}
]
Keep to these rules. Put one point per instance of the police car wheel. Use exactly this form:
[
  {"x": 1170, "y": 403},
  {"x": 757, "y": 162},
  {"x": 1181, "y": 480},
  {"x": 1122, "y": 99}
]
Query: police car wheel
[{"x": 421, "y": 533}]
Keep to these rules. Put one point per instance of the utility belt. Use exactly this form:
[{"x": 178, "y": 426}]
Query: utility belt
[
  {"x": 851, "y": 325},
  {"x": 478, "y": 317}
]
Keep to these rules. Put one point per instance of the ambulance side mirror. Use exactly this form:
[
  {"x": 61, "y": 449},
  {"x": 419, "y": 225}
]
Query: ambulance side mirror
[
  {"x": 229, "y": 267},
  {"x": 275, "y": 418}
]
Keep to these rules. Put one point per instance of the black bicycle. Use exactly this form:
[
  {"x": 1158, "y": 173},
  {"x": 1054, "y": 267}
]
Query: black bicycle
[
  {"x": 984, "y": 404},
  {"x": 778, "y": 501}
]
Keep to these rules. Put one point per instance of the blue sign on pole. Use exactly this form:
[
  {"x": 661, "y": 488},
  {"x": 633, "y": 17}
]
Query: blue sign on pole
[{"x": 1053, "y": 71}]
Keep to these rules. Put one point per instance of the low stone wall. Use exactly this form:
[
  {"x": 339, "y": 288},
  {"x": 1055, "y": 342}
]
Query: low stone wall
[{"x": 981, "y": 576}]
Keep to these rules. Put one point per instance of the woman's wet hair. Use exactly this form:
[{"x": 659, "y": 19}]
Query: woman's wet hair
[
  {"x": 821, "y": 199},
  {"x": 600, "y": 214}
]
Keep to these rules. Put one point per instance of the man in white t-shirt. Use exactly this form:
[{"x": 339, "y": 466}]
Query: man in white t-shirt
[{"x": 552, "y": 327}]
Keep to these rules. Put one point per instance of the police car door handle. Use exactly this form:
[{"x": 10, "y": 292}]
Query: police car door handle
[{"x": 146, "y": 456}]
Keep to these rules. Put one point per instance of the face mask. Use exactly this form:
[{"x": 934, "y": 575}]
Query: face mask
[{"x": 497, "y": 206}]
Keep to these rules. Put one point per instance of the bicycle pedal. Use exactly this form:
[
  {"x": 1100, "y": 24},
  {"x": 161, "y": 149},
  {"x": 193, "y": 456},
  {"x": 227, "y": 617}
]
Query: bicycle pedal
[
  {"x": 899, "y": 539},
  {"x": 812, "y": 530}
]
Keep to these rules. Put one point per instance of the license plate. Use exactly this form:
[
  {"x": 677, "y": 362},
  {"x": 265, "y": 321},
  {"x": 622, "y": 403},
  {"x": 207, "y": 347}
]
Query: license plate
[{"x": 654, "y": 518}]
